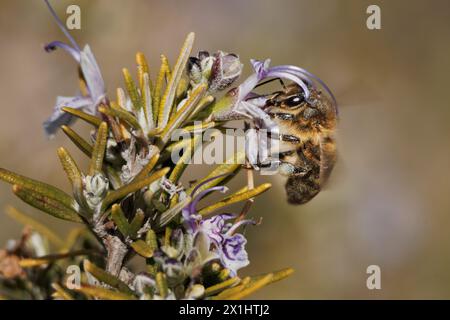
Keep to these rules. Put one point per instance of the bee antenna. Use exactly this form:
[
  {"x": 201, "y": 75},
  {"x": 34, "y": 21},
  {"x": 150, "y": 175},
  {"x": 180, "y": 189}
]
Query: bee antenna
[{"x": 269, "y": 81}]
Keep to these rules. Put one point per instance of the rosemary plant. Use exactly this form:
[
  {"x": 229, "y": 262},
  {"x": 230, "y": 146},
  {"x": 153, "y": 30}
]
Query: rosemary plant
[{"x": 129, "y": 202}]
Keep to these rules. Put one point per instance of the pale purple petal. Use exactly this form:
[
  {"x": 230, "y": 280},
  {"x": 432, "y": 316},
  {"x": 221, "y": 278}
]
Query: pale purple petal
[
  {"x": 233, "y": 254},
  {"x": 92, "y": 75},
  {"x": 308, "y": 76},
  {"x": 58, "y": 44},
  {"x": 193, "y": 205},
  {"x": 59, "y": 117}
]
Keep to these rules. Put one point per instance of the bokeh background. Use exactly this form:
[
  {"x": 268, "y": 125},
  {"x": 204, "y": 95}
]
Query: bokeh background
[{"x": 388, "y": 201}]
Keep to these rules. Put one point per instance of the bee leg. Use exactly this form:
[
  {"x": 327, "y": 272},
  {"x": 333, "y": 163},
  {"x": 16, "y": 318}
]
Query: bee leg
[
  {"x": 270, "y": 166},
  {"x": 261, "y": 119}
]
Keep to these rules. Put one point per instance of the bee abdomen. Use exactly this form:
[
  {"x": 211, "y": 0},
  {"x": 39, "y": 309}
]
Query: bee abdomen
[{"x": 301, "y": 189}]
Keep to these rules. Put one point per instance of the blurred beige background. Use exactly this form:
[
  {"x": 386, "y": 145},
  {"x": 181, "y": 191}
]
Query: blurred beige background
[{"x": 388, "y": 201}]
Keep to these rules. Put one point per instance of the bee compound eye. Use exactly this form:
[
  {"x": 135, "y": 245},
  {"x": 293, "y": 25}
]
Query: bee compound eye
[{"x": 294, "y": 101}]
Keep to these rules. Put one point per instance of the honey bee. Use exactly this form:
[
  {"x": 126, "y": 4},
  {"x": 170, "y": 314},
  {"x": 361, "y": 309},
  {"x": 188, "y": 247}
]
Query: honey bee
[{"x": 307, "y": 148}]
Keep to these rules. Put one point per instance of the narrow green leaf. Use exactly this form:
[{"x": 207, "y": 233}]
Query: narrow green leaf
[
  {"x": 277, "y": 275},
  {"x": 105, "y": 294},
  {"x": 142, "y": 248},
  {"x": 122, "y": 114},
  {"x": 198, "y": 128},
  {"x": 39, "y": 227},
  {"x": 132, "y": 90},
  {"x": 161, "y": 283},
  {"x": 230, "y": 166},
  {"x": 95, "y": 121},
  {"x": 136, "y": 223},
  {"x": 251, "y": 288},
  {"x": 142, "y": 68},
  {"x": 106, "y": 277},
  {"x": 183, "y": 113},
  {"x": 120, "y": 220},
  {"x": 171, "y": 88},
  {"x": 99, "y": 150},
  {"x": 82, "y": 144},
  {"x": 69, "y": 165},
  {"x": 61, "y": 293},
  {"x": 164, "y": 72},
  {"x": 204, "y": 102},
  {"x": 46, "y": 204},
  {"x": 183, "y": 162},
  {"x": 132, "y": 187},
  {"x": 221, "y": 286},
  {"x": 172, "y": 212},
  {"x": 237, "y": 197},
  {"x": 148, "y": 167},
  {"x": 42, "y": 188},
  {"x": 150, "y": 239}
]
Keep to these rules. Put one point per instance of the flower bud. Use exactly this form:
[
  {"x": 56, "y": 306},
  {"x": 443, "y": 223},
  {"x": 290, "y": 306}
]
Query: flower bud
[
  {"x": 95, "y": 189},
  {"x": 225, "y": 70}
]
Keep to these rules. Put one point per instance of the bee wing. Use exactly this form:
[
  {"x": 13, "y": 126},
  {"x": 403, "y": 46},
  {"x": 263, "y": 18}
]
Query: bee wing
[{"x": 328, "y": 156}]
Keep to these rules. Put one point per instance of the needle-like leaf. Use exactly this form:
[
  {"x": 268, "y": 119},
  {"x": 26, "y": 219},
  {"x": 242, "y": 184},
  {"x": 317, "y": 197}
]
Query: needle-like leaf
[
  {"x": 183, "y": 113},
  {"x": 142, "y": 248},
  {"x": 120, "y": 220},
  {"x": 82, "y": 144},
  {"x": 46, "y": 204},
  {"x": 69, "y": 166},
  {"x": 169, "y": 94},
  {"x": 132, "y": 90},
  {"x": 122, "y": 114},
  {"x": 106, "y": 277},
  {"x": 39, "y": 227},
  {"x": 99, "y": 150},
  {"x": 133, "y": 187},
  {"x": 105, "y": 294},
  {"x": 238, "y": 197},
  {"x": 95, "y": 121},
  {"x": 42, "y": 188},
  {"x": 164, "y": 72}
]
